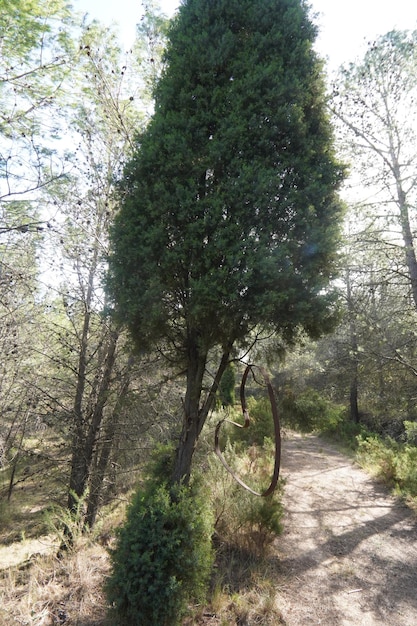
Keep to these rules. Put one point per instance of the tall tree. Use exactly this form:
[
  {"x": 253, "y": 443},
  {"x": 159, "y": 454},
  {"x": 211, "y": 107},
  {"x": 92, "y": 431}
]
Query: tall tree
[
  {"x": 109, "y": 105},
  {"x": 375, "y": 103},
  {"x": 36, "y": 50},
  {"x": 229, "y": 215},
  {"x": 101, "y": 121},
  {"x": 74, "y": 373}
]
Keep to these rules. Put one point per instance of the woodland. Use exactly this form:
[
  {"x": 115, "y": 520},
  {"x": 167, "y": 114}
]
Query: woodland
[{"x": 123, "y": 339}]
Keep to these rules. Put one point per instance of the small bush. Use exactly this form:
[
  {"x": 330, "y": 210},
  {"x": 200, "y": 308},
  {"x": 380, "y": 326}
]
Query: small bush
[
  {"x": 243, "y": 520},
  {"x": 377, "y": 455},
  {"x": 160, "y": 465},
  {"x": 163, "y": 557},
  {"x": 411, "y": 432},
  {"x": 309, "y": 411},
  {"x": 345, "y": 432},
  {"x": 261, "y": 423},
  {"x": 406, "y": 471},
  {"x": 394, "y": 463}
]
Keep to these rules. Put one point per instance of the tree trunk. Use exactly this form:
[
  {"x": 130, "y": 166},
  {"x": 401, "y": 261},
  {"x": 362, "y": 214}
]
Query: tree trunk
[
  {"x": 353, "y": 400},
  {"x": 99, "y": 472},
  {"x": 85, "y": 439},
  {"x": 97, "y": 478},
  {"x": 78, "y": 462},
  {"x": 194, "y": 414},
  {"x": 410, "y": 254},
  {"x": 354, "y": 366}
]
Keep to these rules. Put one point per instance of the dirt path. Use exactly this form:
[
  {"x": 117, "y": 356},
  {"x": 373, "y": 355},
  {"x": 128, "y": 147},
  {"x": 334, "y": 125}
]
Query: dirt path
[{"x": 349, "y": 550}]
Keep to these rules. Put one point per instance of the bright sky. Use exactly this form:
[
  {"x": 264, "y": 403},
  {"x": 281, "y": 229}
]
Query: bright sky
[{"x": 345, "y": 26}]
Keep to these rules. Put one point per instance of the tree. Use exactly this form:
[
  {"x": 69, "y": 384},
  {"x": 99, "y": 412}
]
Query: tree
[
  {"x": 35, "y": 57},
  {"x": 75, "y": 373},
  {"x": 374, "y": 103},
  {"x": 93, "y": 364},
  {"x": 19, "y": 315},
  {"x": 229, "y": 215}
]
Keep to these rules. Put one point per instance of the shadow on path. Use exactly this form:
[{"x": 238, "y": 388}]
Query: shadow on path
[{"x": 349, "y": 551}]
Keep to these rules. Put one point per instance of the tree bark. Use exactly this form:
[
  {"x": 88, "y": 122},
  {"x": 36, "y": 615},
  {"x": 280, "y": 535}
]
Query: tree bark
[
  {"x": 195, "y": 412},
  {"x": 410, "y": 254},
  {"x": 353, "y": 391},
  {"x": 86, "y": 437},
  {"x": 99, "y": 471},
  {"x": 78, "y": 462}
]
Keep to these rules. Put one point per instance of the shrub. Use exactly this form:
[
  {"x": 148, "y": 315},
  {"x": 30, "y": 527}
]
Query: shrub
[
  {"x": 394, "y": 463},
  {"x": 160, "y": 465},
  {"x": 378, "y": 455},
  {"x": 309, "y": 411},
  {"x": 163, "y": 557},
  {"x": 411, "y": 432},
  {"x": 243, "y": 520},
  {"x": 345, "y": 431},
  {"x": 261, "y": 423},
  {"x": 406, "y": 471}
]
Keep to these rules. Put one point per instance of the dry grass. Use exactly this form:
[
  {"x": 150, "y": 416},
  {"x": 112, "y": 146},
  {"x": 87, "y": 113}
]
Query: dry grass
[
  {"x": 39, "y": 589},
  {"x": 46, "y": 591}
]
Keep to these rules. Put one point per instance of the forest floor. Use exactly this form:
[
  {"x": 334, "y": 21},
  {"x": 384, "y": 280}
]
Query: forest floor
[
  {"x": 347, "y": 557},
  {"x": 348, "y": 554}
]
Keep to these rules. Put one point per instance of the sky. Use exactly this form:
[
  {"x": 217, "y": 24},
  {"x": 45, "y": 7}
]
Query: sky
[{"x": 345, "y": 26}]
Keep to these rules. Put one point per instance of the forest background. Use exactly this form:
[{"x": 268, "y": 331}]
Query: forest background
[{"x": 76, "y": 404}]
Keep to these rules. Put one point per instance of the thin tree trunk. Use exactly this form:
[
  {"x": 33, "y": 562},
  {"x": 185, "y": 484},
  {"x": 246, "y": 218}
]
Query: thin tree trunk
[
  {"x": 99, "y": 472},
  {"x": 85, "y": 452},
  {"x": 410, "y": 254},
  {"x": 195, "y": 414},
  {"x": 354, "y": 366},
  {"x": 78, "y": 475},
  {"x": 353, "y": 400},
  {"x": 16, "y": 459}
]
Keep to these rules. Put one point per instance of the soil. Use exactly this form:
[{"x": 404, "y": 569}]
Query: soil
[{"x": 348, "y": 554}]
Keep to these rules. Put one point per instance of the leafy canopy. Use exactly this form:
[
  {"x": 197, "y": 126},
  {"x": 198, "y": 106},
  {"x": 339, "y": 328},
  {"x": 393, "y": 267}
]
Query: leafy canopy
[{"x": 229, "y": 214}]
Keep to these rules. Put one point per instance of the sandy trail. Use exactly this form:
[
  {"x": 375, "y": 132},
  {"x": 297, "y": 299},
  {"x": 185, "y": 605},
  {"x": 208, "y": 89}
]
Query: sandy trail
[{"x": 349, "y": 550}]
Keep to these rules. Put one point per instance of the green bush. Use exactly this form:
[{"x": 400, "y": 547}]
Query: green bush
[
  {"x": 243, "y": 520},
  {"x": 261, "y": 423},
  {"x": 393, "y": 462},
  {"x": 379, "y": 455},
  {"x": 410, "y": 432},
  {"x": 406, "y": 471},
  {"x": 159, "y": 468},
  {"x": 163, "y": 557},
  {"x": 309, "y": 411},
  {"x": 345, "y": 431}
]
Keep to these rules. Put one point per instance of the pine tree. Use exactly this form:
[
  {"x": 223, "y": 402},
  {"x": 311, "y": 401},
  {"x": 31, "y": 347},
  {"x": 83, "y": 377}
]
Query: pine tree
[{"x": 229, "y": 213}]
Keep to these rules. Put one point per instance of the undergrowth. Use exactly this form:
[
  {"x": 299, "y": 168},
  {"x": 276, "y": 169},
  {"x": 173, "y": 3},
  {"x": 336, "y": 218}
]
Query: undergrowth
[
  {"x": 240, "y": 588},
  {"x": 393, "y": 462}
]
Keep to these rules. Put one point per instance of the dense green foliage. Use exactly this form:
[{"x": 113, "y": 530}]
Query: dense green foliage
[
  {"x": 228, "y": 227},
  {"x": 308, "y": 411},
  {"x": 229, "y": 215},
  {"x": 163, "y": 558}
]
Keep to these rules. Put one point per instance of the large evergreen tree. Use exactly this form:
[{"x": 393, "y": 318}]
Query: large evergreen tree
[{"x": 229, "y": 214}]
